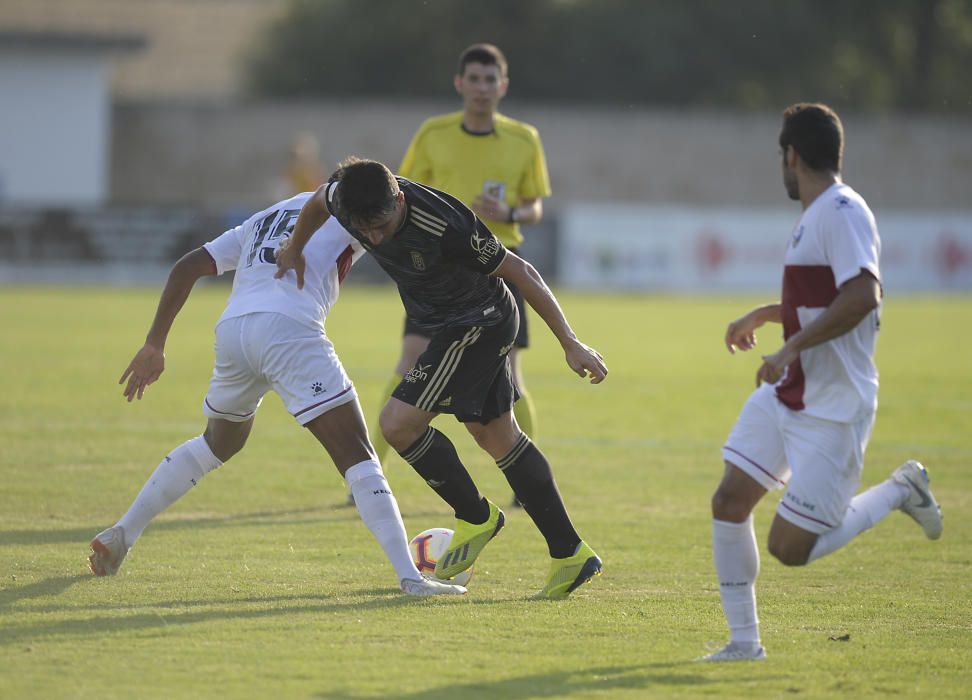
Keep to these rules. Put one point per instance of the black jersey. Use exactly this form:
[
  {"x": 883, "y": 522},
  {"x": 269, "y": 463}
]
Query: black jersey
[{"x": 441, "y": 258}]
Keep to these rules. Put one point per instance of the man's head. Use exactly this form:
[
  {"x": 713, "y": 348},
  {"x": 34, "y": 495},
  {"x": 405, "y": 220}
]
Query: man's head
[
  {"x": 369, "y": 196},
  {"x": 481, "y": 79},
  {"x": 812, "y": 137}
]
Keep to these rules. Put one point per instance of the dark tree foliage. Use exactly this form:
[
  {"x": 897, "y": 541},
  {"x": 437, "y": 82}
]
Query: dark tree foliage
[{"x": 877, "y": 55}]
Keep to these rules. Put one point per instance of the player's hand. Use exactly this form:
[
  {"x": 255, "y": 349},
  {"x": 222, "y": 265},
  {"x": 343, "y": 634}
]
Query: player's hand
[
  {"x": 586, "y": 361},
  {"x": 741, "y": 333},
  {"x": 774, "y": 366},
  {"x": 289, "y": 259},
  {"x": 486, "y": 206},
  {"x": 147, "y": 366}
]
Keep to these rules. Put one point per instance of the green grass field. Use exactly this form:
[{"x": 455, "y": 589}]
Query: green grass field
[{"x": 259, "y": 583}]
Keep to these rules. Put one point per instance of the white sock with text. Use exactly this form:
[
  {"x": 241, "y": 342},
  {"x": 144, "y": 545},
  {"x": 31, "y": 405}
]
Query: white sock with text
[
  {"x": 379, "y": 511},
  {"x": 171, "y": 480},
  {"x": 737, "y": 565}
]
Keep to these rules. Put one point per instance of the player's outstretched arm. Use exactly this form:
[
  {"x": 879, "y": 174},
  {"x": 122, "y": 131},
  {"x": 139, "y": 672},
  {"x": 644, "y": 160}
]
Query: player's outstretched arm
[
  {"x": 856, "y": 298},
  {"x": 584, "y": 360},
  {"x": 149, "y": 362},
  {"x": 741, "y": 333},
  {"x": 290, "y": 255}
]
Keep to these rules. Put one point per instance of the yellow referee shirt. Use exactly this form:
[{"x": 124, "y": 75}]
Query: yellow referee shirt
[{"x": 508, "y": 162}]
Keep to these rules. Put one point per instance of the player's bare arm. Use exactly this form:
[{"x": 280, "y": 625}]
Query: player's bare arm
[
  {"x": 584, "y": 360},
  {"x": 741, "y": 333},
  {"x": 855, "y": 299},
  {"x": 149, "y": 362},
  {"x": 290, "y": 255}
]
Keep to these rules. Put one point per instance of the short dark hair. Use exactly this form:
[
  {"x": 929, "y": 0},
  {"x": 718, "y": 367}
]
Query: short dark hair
[
  {"x": 366, "y": 189},
  {"x": 487, "y": 54},
  {"x": 815, "y": 133}
]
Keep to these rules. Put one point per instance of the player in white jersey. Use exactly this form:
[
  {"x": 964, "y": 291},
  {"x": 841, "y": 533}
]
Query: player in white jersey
[
  {"x": 806, "y": 426},
  {"x": 269, "y": 337}
]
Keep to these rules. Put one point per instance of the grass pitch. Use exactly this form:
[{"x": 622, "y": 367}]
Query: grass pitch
[{"x": 260, "y": 583}]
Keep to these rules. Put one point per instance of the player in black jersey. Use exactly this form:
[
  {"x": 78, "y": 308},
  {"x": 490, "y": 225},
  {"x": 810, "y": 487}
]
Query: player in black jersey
[{"x": 450, "y": 272}]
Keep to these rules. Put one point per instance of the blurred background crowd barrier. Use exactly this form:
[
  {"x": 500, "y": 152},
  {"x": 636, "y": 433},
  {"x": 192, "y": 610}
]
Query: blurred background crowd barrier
[{"x": 131, "y": 131}]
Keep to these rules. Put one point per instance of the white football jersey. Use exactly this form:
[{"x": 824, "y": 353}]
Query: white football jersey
[
  {"x": 250, "y": 249},
  {"x": 835, "y": 239}
]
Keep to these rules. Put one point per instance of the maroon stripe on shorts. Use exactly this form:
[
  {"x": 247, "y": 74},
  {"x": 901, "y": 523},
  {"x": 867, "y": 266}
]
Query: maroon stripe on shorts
[
  {"x": 225, "y": 413},
  {"x": 767, "y": 473},
  {"x": 804, "y": 515},
  {"x": 321, "y": 403}
]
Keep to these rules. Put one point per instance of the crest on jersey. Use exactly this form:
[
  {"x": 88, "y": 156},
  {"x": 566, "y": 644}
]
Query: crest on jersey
[
  {"x": 418, "y": 262},
  {"x": 797, "y": 235}
]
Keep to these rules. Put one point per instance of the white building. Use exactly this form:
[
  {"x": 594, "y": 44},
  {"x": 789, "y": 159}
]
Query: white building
[{"x": 55, "y": 116}]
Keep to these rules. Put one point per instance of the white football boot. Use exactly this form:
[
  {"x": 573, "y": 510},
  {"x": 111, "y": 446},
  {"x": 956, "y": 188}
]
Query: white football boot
[
  {"x": 737, "y": 651},
  {"x": 108, "y": 551},
  {"x": 425, "y": 587},
  {"x": 920, "y": 504}
]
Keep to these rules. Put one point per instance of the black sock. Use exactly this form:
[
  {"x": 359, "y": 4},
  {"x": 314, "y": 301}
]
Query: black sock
[
  {"x": 434, "y": 458},
  {"x": 529, "y": 475}
]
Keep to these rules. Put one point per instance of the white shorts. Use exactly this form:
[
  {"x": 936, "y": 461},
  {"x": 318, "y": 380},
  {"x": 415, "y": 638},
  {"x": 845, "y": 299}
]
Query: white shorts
[
  {"x": 263, "y": 351},
  {"x": 771, "y": 442}
]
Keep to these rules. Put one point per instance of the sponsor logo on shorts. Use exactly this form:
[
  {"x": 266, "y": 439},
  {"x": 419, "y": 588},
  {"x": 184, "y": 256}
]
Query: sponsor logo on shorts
[
  {"x": 446, "y": 402},
  {"x": 800, "y": 502},
  {"x": 418, "y": 373},
  {"x": 318, "y": 388},
  {"x": 506, "y": 349},
  {"x": 418, "y": 262}
]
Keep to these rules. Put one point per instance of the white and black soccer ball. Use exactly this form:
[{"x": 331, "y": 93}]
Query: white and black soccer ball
[{"x": 428, "y": 546}]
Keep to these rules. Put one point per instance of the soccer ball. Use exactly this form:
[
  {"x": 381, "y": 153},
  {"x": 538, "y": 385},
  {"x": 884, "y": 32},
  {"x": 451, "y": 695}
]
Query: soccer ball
[{"x": 428, "y": 546}]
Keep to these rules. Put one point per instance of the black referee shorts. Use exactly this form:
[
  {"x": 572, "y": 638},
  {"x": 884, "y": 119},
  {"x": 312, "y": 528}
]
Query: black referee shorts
[{"x": 464, "y": 371}]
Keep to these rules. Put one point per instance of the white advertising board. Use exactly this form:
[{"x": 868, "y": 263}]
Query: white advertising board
[{"x": 687, "y": 249}]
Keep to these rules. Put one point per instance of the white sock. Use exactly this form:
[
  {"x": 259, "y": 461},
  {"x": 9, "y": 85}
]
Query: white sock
[
  {"x": 379, "y": 511},
  {"x": 737, "y": 565},
  {"x": 178, "y": 472},
  {"x": 863, "y": 513}
]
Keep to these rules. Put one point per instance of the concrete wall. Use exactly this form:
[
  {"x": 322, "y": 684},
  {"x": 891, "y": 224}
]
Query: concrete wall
[{"x": 230, "y": 154}]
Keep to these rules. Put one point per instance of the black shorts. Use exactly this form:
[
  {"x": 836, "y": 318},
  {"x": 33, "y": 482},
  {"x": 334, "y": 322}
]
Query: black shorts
[
  {"x": 522, "y": 334},
  {"x": 464, "y": 371}
]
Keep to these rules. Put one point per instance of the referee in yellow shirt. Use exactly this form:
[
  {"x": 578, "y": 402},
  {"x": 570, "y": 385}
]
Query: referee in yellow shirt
[{"x": 496, "y": 166}]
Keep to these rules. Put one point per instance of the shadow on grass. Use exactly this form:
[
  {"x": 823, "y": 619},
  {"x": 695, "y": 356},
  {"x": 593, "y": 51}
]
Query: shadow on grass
[
  {"x": 49, "y": 587},
  {"x": 557, "y": 683},
  {"x": 192, "y": 612},
  {"x": 338, "y": 513}
]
